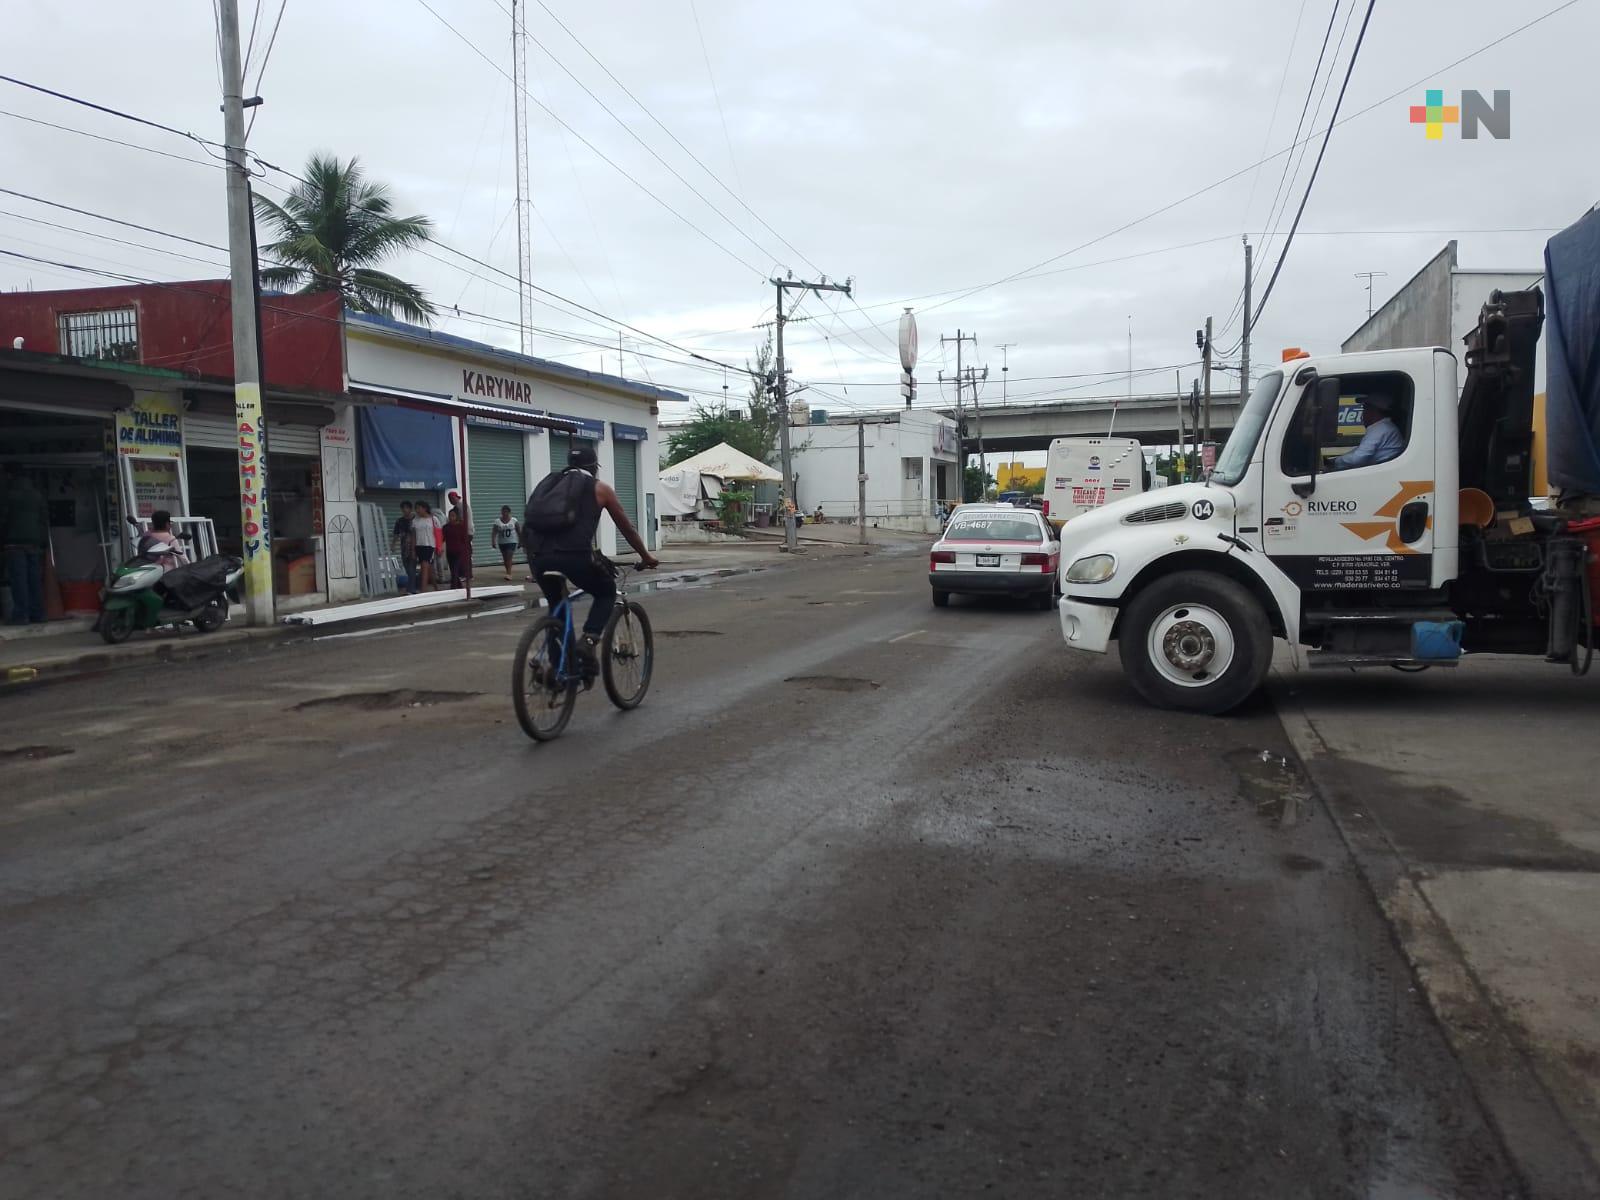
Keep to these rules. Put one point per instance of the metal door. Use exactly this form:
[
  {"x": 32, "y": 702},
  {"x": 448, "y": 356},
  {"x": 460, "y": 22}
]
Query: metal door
[
  {"x": 495, "y": 477},
  {"x": 625, "y": 463}
]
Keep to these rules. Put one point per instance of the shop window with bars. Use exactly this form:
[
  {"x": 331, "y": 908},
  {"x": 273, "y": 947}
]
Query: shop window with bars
[{"x": 108, "y": 333}]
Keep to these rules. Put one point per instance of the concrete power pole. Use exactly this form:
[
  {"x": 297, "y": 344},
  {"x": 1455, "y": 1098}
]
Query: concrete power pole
[
  {"x": 973, "y": 376},
  {"x": 1244, "y": 352},
  {"x": 961, "y": 441},
  {"x": 1205, "y": 375},
  {"x": 254, "y": 526},
  {"x": 861, "y": 482},
  {"x": 790, "y": 542}
]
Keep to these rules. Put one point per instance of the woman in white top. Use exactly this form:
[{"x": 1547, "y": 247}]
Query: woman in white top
[
  {"x": 424, "y": 526},
  {"x": 505, "y": 538}
]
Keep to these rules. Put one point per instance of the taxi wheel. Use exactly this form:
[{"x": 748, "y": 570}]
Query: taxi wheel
[
  {"x": 941, "y": 599},
  {"x": 1195, "y": 641}
]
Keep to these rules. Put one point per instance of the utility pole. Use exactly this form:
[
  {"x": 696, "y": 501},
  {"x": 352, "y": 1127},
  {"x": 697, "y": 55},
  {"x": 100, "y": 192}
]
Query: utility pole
[
  {"x": 1369, "y": 276},
  {"x": 961, "y": 441},
  {"x": 861, "y": 481},
  {"x": 519, "y": 89},
  {"x": 1244, "y": 353},
  {"x": 1177, "y": 385},
  {"x": 977, "y": 416},
  {"x": 254, "y": 526},
  {"x": 790, "y": 542},
  {"x": 1203, "y": 340}
]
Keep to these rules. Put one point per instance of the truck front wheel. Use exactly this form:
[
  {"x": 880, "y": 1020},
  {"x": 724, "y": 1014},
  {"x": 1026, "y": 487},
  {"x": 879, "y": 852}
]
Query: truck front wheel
[{"x": 1195, "y": 641}]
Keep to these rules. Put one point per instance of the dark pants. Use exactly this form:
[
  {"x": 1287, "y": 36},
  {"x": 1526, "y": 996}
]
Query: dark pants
[
  {"x": 460, "y": 568},
  {"x": 25, "y": 573},
  {"x": 585, "y": 573},
  {"x": 413, "y": 577}
]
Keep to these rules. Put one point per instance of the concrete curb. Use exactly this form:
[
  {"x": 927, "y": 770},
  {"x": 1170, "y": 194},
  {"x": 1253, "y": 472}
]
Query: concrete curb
[{"x": 1548, "y": 1155}]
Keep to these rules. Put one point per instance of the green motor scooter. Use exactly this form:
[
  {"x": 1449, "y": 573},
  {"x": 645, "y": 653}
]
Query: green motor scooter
[{"x": 146, "y": 592}]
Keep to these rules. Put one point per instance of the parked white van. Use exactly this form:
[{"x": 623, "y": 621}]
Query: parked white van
[{"x": 1082, "y": 473}]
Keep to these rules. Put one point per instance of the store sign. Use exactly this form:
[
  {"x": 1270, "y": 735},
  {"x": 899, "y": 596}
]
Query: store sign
[
  {"x": 495, "y": 387},
  {"x": 945, "y": 440},
  {"x": 155, "y": 486},
  {"x": 252, "y": 491},
  {"x": 152, "y": 427}
]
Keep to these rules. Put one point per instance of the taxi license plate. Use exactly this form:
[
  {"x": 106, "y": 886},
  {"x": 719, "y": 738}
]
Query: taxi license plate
[{"x": 988, "y": 560}]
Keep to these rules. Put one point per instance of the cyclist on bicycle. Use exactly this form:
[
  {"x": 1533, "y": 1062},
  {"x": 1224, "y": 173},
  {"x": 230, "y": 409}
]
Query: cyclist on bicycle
[{"x": 569, "y": 548}]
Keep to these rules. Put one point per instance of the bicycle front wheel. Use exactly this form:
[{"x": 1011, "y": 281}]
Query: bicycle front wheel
[
  {"x": 627, "y": 655},
  {"x": 542, "y": 695}
]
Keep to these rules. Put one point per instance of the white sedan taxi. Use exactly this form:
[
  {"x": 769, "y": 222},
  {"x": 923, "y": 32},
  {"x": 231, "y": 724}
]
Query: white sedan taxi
[{"x": 995, "y": 549}]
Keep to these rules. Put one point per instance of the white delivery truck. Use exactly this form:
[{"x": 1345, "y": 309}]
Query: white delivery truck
[
  {"x": 1420, "y": 547},
  {"x": 1082, "y": 473}
]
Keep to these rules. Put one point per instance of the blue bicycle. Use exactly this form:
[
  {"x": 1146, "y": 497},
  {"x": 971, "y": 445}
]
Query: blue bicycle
[{"x": 548, "y": 671}]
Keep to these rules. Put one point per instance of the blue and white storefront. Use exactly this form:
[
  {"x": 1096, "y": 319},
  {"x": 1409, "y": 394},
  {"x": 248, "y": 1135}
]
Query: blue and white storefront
[{"x": 405, "y": 454}]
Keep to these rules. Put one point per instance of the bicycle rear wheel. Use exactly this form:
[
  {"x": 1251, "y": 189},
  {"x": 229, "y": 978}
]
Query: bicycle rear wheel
[
  {"x": 627, "y": 655},
  {"x": 542, "y": 696}
]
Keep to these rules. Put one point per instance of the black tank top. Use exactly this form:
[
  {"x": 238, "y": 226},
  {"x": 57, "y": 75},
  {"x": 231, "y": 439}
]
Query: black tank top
[{"x": 580, "y": 538}]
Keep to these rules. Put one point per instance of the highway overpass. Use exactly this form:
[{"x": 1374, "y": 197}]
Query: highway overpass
[{"x": 1151, "y": 419}]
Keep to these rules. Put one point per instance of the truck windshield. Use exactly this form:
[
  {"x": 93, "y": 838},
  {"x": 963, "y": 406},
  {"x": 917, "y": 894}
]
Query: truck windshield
[{"x": 1235, "y": 457}]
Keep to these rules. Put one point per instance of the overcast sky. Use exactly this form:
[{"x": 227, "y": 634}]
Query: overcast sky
[{"x": 922, "y": 149}]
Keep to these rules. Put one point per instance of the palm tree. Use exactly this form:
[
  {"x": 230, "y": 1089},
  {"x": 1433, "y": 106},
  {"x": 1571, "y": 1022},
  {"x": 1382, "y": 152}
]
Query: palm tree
[{"x": 331, "y": 230}]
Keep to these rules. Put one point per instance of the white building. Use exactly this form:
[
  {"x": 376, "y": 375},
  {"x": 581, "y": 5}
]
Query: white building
[
  {"x": 410, "y": 455},
  {"x": 910, "y": 466}
]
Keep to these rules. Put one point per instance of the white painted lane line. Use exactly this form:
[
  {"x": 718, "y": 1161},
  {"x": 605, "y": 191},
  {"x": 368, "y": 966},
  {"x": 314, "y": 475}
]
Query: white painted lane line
[{"x": 902, "y": 637}]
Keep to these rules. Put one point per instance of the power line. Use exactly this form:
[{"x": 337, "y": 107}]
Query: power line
[
  {"x": 114, "y": 112},
  {"x": 1229, "y": 178},
  {"x": 1316, "y": 166},
  {"x": 100, "y": 137},
  {"x": 470, "y": 44}
]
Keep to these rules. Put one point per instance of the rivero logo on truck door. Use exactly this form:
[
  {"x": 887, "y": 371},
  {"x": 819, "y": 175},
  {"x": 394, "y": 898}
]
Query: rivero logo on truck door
[{"x": 1473, "y": 111}]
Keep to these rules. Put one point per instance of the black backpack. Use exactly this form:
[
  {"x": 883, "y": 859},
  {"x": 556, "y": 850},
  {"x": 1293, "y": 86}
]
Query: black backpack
[{"x": 557, "y": 501}]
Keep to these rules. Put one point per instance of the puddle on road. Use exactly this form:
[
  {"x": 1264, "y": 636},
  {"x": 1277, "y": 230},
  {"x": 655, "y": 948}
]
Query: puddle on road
[
  {"x": 644, "y": 587},
  {"x": 376, "y": 701},
  {"x": 834, "y": 683},
  {"x": 1275, "y": 785},
  {"x": 34, "y": 753}
]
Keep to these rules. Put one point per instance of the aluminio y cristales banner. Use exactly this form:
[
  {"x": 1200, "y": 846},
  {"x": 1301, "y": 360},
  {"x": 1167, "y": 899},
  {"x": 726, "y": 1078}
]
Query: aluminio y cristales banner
[{"x": 257, "y": 549}]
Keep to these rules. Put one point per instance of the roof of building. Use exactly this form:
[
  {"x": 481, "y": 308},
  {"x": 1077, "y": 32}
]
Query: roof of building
[{"x": 526, "y": 362}]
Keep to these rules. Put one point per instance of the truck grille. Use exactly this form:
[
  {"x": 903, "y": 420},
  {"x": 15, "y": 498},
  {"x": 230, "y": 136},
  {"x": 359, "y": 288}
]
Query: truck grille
[{"x": 1159, "y": 512}]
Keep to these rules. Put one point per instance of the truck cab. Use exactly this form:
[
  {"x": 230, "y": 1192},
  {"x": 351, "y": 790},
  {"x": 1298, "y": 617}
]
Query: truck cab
[{"x": 1352, "y": 548}]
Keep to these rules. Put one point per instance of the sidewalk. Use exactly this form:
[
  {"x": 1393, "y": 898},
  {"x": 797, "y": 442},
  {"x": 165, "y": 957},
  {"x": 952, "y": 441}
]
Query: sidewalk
[{"x": 1469, "y": 799}]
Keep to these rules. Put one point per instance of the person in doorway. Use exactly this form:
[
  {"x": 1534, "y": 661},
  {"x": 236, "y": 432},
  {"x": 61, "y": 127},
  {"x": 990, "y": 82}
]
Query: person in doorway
[
  {"x": 25, "y": 534},
  {"x": 404, "y": 539},
  {"x": 438, "y": 545},
  {"x": 1382, "y": 441},
  {"x": 423, "y": 529},
  {"x": 458, "y": 548},
  {"x": 506, "y": 537},
  {"x": 568, "y": 549}
]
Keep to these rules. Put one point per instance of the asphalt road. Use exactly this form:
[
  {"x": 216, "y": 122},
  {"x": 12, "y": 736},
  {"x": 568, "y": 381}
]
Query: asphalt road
[{"x": 869, "y": 899}]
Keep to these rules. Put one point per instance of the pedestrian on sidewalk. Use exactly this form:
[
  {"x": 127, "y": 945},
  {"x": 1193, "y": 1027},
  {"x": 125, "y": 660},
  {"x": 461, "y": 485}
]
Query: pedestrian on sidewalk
[
  {"x": 404, "y": 539},
  {"x": 506, "y": 537},
  {"x": 425, "y": 530},
  {"x": 458, "y": 548},
  {"x": 25, "y": 533}
]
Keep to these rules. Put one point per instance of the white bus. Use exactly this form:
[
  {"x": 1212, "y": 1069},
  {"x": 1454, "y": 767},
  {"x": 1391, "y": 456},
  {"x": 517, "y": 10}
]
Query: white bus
[{"x": 1082, "y": 473}]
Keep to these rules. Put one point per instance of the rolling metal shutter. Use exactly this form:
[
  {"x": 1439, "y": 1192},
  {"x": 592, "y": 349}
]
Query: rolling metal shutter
[
  {"x": 495, "y": 476},
  {"x": 625, "y": 462},
  {"x": 560, "y": 445}
]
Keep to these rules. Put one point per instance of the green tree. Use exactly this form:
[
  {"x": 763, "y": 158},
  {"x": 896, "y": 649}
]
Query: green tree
[
  {"x": 975, "y": 484},
  {"x": 332, "y": 230}
]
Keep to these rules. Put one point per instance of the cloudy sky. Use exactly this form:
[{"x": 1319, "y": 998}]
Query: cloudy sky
[{"x": 923, "y": 149}]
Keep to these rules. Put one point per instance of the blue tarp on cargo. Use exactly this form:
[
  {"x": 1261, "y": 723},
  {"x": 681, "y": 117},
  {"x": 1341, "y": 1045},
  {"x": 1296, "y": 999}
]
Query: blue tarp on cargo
[
  {"x": 404, "y": 448},
  {"x": 1572, "y": 356}
]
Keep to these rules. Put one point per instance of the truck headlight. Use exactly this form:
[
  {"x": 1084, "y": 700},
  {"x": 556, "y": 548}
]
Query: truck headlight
[{"x": 1096, "y": 568}]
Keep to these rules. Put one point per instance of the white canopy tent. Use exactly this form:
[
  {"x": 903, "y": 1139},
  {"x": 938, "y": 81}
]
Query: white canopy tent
[{"x": 727, "y": 462}]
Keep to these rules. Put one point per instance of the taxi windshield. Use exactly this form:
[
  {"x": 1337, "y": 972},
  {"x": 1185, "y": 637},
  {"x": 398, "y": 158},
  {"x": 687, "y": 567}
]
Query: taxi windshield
[{"x": 999, "y": 528}]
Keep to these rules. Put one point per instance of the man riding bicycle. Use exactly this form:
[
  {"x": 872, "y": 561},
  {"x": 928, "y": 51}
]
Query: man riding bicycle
[{"x": 559, "y": 530}]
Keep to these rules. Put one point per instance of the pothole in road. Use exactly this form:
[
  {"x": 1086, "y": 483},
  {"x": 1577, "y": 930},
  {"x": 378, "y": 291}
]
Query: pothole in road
[
  {"x": 34, "y": 753},
  {"x": 834, "y": 683},
  {"x": 1280, "y": 791},
  {"x": 376, "y": 701},
  {"x": 688, "y": 633}
]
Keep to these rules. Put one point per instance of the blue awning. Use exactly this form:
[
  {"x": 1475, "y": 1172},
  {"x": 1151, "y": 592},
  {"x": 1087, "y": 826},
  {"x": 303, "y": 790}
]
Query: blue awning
[
  {"x": 588, "y": 427},
  {"x": 628, "y": 433},
  {"x": 406, "y": 448}
]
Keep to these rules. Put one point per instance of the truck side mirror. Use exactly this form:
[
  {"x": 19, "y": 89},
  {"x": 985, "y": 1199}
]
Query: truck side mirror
[{"x": 1324, "y": 401}]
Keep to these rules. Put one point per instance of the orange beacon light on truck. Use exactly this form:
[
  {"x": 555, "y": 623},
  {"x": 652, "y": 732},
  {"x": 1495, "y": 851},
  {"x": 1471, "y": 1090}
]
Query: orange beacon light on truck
[{"x": 1290, "y": 353}]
